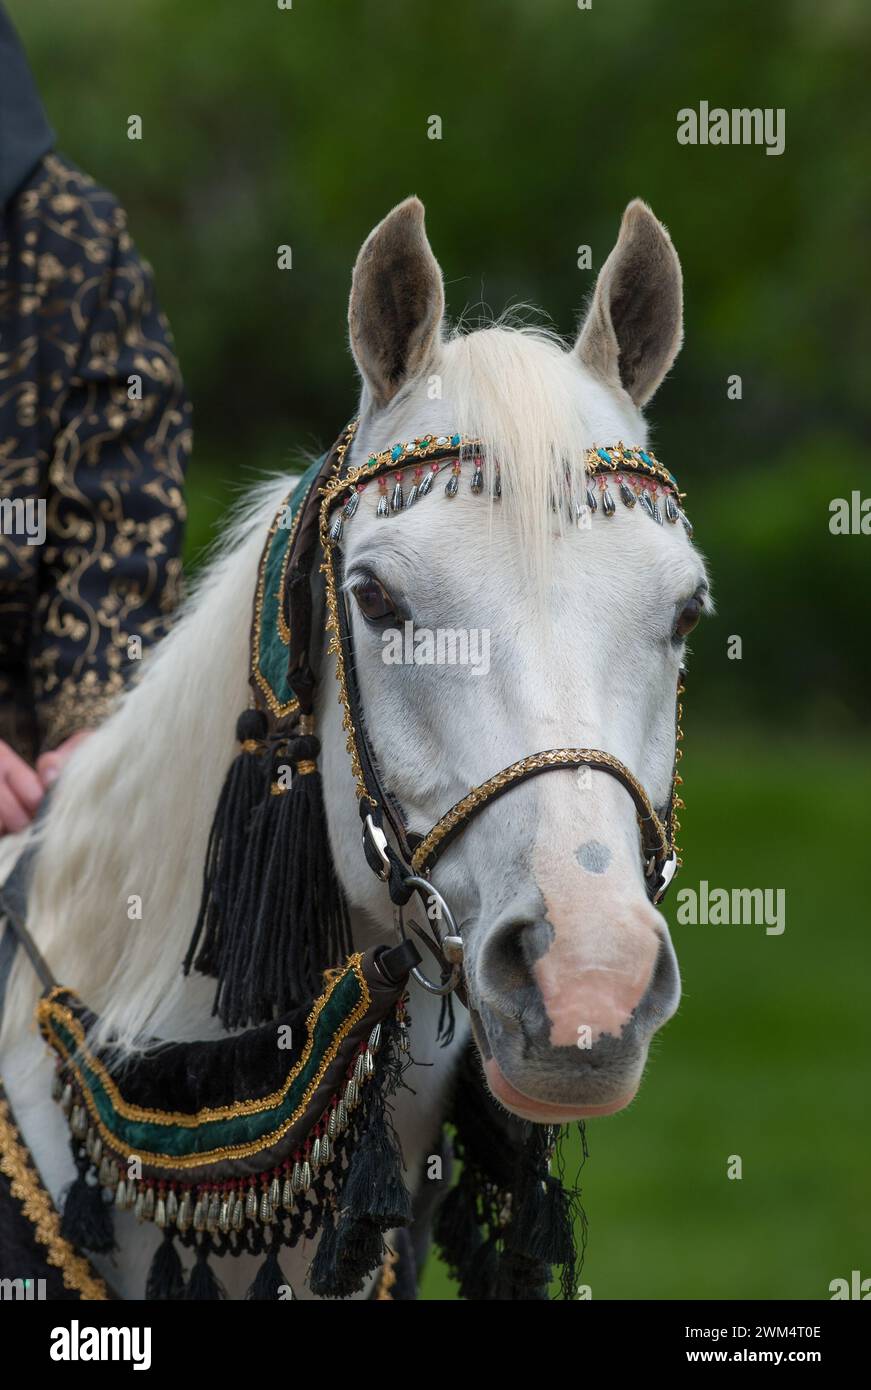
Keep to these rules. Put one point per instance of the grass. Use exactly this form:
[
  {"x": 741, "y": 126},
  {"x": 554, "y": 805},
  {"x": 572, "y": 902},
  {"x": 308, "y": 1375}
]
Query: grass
[{"x": 767, "y": 1058}]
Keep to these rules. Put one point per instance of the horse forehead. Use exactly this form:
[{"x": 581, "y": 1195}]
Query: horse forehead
[{"x": 469, "y": 545}]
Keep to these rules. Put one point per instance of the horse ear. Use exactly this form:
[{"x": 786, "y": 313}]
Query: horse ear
[
  {"x": 634, "y": 328},
  {"x": 397, "y": 302}
]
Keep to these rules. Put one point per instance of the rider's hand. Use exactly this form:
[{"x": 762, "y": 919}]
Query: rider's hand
[
  {"x": 50, "y": 765},
  {"x": 20, "y": 791}
]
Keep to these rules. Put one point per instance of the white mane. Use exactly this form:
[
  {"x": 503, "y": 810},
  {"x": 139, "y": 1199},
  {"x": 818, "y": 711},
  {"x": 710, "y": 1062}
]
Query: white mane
[{"x": 132, "y": 813}]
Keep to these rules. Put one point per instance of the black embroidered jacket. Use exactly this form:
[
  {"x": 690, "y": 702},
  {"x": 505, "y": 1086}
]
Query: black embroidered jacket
[{"x": 95, "y": 434}]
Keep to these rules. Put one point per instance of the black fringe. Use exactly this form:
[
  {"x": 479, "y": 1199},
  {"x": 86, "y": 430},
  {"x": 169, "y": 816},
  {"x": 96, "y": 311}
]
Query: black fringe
[
  {"x": 323, "y": 1275},
  {"x": 165, "y": 1277},
  {"x": 244, "y": 788},
  {"x": 279, "y": 920},
  {"x": 373, "y": 1197},
  {"x": 86, "y": 1220},
  {"x": 269, "y": 1280},
  {"x": 509, "y": 1220},
  {"x": 203, "y": 1286}
]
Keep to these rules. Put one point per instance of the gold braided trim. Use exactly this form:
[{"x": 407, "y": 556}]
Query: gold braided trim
[
  {"x": 278, "y": 709},
  {"x": 46, "y": 1007},
  {"x": 334, "y": 646},
  {"x": 558, "y": 757},
  {"x": 306, "y": 766},
  {"x": 38, "y": 1208},
  {"x": 387, "y": 1277}
]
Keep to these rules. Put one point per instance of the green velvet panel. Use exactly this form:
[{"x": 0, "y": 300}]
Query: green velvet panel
[
  {"x": 270, "y": 650},
  {"x": 178, "y": 1141}
]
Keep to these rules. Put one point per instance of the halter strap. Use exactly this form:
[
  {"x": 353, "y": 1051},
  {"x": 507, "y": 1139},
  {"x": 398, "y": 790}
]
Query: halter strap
[{"x": 654, "y": 835}]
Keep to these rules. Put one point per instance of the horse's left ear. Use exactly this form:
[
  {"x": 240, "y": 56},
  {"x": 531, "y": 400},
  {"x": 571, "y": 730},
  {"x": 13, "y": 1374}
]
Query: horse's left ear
[
  {"x": 397, "y": 302},
  {"x": 634, "y": 328}
]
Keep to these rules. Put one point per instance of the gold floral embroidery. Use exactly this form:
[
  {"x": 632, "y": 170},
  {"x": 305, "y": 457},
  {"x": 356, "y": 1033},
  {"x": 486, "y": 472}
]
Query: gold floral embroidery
[{"x": 107, "y": 459}]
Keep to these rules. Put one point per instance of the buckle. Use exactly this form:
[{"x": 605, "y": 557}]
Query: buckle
[
  {"x": 665, "y": 876},
  {"x": 378, "y": 841}
]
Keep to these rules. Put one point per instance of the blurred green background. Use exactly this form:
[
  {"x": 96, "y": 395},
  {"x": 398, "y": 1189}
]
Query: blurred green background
[{"x": 264, "y": 127}]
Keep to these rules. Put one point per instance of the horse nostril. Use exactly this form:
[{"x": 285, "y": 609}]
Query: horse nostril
[{"x": 505, "y": 967}]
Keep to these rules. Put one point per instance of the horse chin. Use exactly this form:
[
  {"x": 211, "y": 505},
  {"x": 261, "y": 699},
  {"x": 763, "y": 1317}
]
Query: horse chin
[{"x": 545, "y": 1112}]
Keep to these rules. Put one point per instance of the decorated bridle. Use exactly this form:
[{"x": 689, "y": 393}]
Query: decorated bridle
[
  {"x": 330, "y": 504},
  {"x": 241, "y": 1146}
]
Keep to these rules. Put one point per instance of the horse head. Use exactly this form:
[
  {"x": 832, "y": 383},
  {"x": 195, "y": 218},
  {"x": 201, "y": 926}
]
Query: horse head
[{"x": 486, "y": 628}]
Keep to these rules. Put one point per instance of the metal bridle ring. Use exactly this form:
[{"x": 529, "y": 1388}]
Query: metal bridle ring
[{"x": 424, "y": 887}]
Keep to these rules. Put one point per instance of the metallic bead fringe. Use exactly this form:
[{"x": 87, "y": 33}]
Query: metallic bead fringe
[{"x": 212, "y": 1208}]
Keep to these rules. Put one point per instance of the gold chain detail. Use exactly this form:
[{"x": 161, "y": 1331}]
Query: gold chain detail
[
  {"x": 559, "y": 757},
  {"x": 678, "y": 803},
  {"x": 39, "y": 1210}
]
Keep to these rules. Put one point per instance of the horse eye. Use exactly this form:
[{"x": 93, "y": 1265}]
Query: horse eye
[
  {"x": 373, "y": 600},
  {"x": 688, "y": 617}
]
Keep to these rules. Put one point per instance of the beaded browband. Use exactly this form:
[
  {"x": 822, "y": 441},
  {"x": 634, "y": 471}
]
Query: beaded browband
[{"x": 638, "y": 476}]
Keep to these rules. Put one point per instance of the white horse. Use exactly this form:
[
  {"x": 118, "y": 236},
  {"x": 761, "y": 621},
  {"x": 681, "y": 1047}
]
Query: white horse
[{"x": 586, "y": 637}]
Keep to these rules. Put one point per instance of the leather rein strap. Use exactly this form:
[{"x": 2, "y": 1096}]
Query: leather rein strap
[{"x": 416, "y": 855}]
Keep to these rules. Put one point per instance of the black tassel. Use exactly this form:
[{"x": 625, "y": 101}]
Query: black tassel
[
  {"x": 287, "y": 922},
  {"x": 202, "y": 1286},
  {"x": 87, "y": 1219},
  {"x": 322, "y": 1274},
  {"x": 543, "y": 1227},
  {"x": 359, "y": 1251},
  {"x": 244, "y": 787},
  {"x": 302, "y": 927},
  {"x": 481, "y": 1277},
  {"x": 521, "y": 1279},
  {"x": 165, "y": 1277},
  {"x": 269, "y": 1280},
  {"x": 374, "y": 1187},
  {"x": 455, "y": 1229}
]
